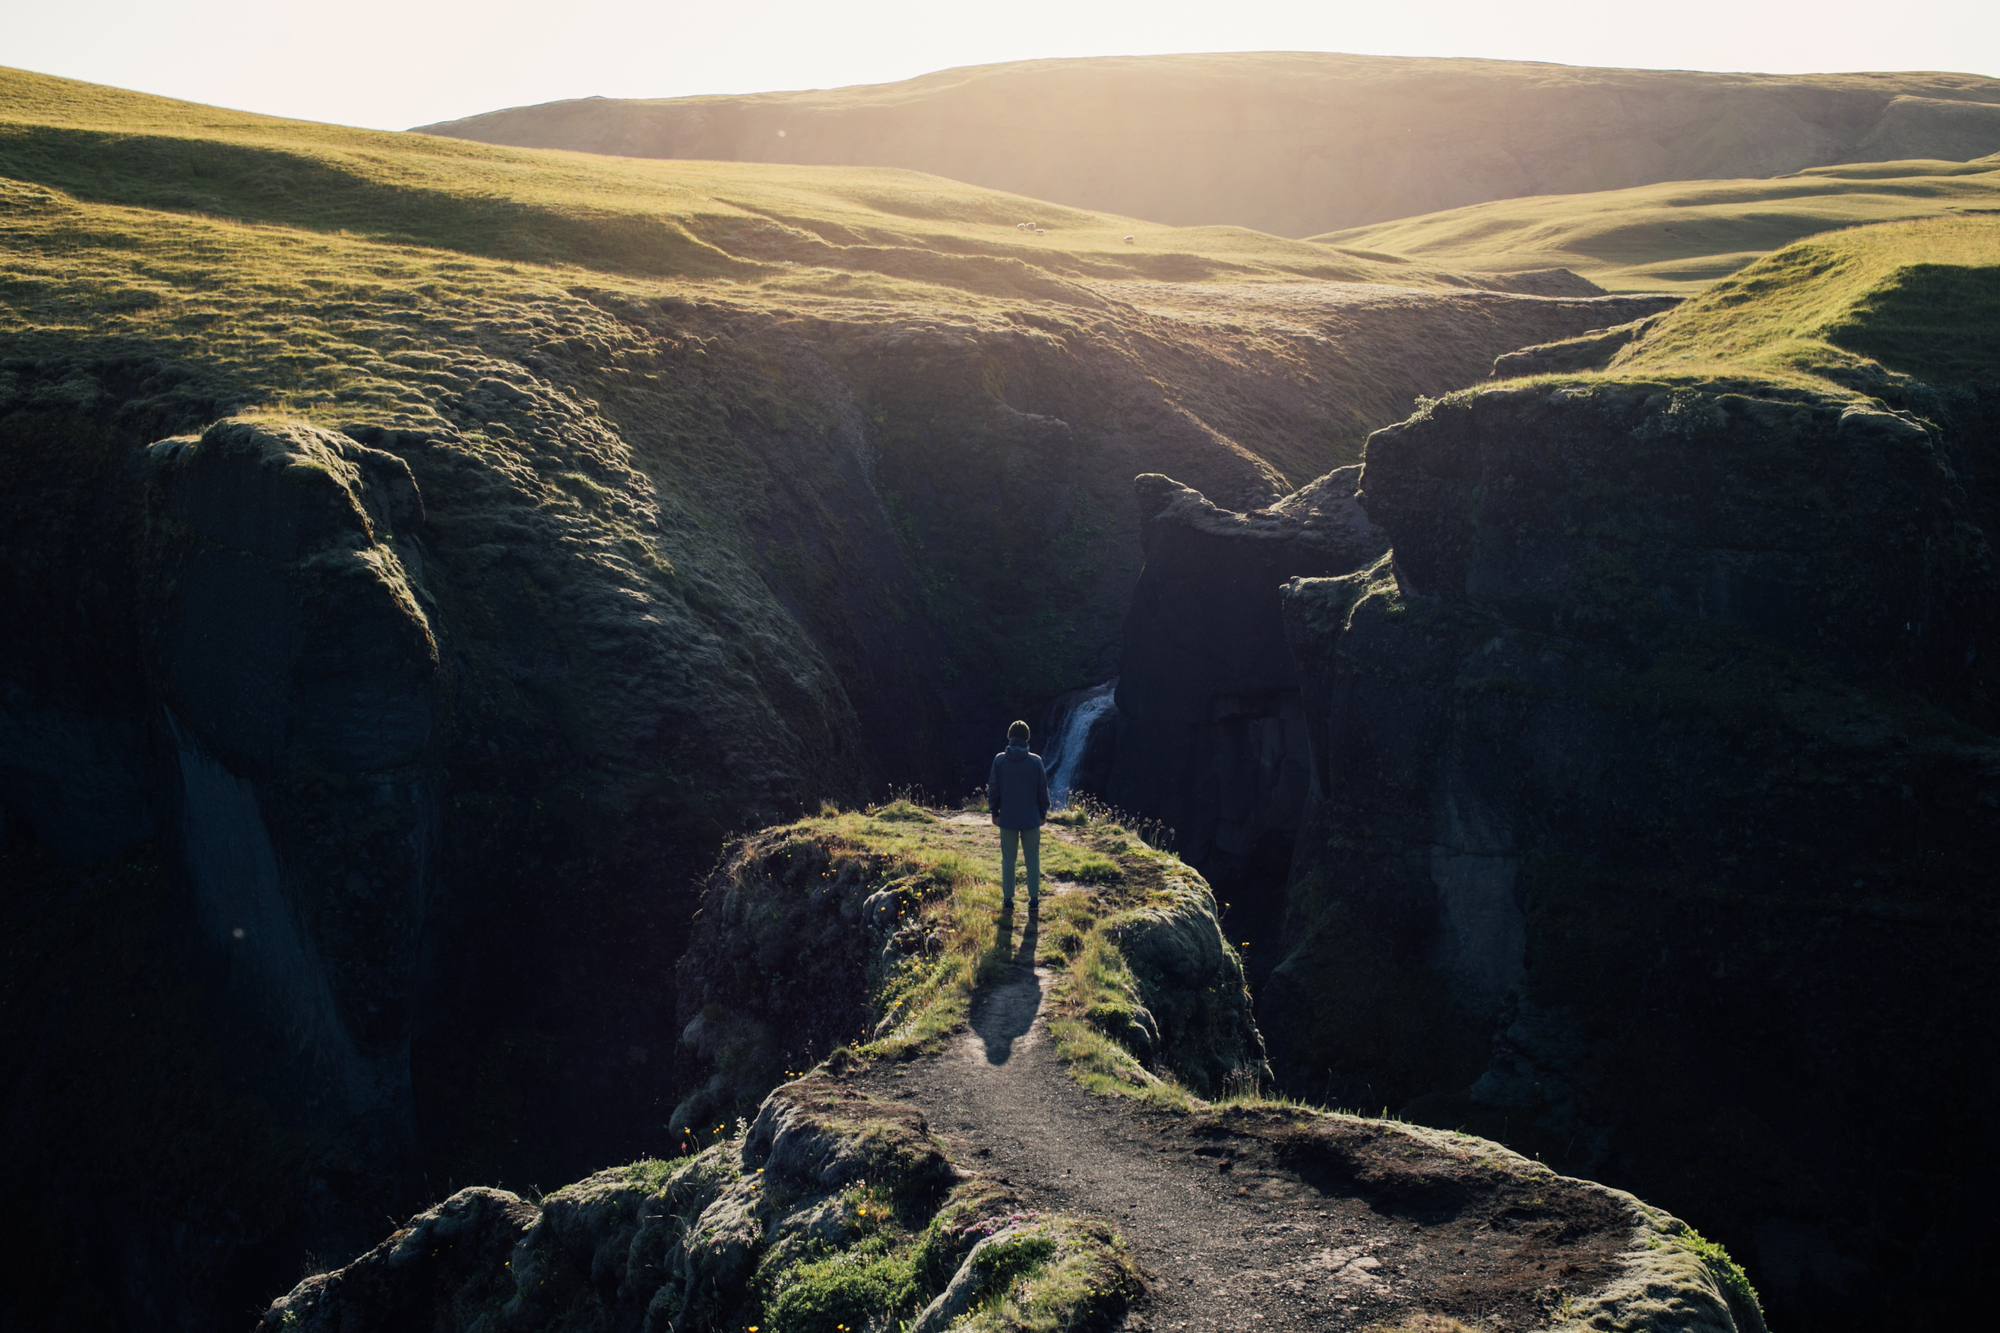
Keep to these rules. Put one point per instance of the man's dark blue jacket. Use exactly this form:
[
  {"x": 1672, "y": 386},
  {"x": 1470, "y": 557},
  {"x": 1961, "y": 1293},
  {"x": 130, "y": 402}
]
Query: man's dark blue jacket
[{"x": 1017, "y": 790}]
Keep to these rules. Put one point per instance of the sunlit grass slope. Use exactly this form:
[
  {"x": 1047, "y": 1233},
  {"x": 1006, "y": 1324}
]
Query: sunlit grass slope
[
  {"x": 1918, "y": 299},
  {"x": 1295, "y": 143},
  {"x": 799, "y": 227},
  {"x": 1683, "y": 235}
]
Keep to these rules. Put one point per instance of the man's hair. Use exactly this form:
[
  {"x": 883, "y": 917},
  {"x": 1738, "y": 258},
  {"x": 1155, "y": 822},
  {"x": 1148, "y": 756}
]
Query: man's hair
[{"x": 1017, "y": 734}]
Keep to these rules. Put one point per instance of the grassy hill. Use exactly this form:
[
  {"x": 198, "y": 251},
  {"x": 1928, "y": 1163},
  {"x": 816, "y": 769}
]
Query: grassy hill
[
  {"x": 789, "y": 229},
  {"x": 1682, "y": 235},
  {"x": 1919, "y": 299},
  {"x": 1296, "y": 143}
]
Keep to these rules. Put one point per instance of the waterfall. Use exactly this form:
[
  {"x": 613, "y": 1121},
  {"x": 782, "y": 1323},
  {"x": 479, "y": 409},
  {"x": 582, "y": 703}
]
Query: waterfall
[{"x": 1072, "y": 738}]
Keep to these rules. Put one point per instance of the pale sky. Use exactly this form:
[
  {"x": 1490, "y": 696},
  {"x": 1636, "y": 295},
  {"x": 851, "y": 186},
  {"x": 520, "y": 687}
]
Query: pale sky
[{"x": 392, "y": 64}]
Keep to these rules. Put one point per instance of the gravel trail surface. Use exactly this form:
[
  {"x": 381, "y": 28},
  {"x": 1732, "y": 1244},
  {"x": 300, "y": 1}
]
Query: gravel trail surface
[{"x": 1235, "y": 1224}]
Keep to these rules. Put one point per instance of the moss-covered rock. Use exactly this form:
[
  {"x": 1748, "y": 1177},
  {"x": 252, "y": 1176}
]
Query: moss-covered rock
[
  {"x": 799, "y": 935},
  {"x": 1653, "y": 788},
  {"x": 447, "y": 1265},
  {"x": 1190, "y": 1011},
  {"x": 873, "y": 927},
  {"x": 834, "y": 1208}
]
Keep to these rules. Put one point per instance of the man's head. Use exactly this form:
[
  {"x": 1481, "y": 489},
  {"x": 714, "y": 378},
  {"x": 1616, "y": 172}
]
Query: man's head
[{"x": 1017, "y": 734}]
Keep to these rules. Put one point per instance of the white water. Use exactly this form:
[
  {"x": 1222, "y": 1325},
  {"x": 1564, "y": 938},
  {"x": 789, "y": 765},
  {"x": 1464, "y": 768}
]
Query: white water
[{"x": 1072, "y": 734}]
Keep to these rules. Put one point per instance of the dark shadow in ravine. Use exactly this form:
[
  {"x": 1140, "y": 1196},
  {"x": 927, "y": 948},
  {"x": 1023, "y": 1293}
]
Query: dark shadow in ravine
[{"x": 1006, "y": 1012}]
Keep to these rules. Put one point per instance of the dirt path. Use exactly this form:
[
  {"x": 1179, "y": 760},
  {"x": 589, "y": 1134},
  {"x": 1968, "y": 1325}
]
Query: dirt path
[{"x": 1233, "y": 1225}]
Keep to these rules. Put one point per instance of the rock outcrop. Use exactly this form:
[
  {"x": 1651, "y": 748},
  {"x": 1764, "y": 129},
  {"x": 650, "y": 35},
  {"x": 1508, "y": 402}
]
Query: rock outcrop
[
  {"x": 816, "y": 935},
  {"x": 301, "y": 698},
  {"x": 762, "y": 1220},
  {"x": 832, "y": 1204},
  {"x": 1652, "y": 805},
  {"x": 1211, "y": 730},
  {"x": 794, "y": 939}
]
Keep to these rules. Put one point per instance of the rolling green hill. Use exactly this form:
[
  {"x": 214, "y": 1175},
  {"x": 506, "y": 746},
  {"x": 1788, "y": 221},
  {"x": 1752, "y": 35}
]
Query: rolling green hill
[
  {"x": 1296, "y": 143},
  {"x": 788, "y": 229},
  {"x": 1683, "y": 235},
  {"x": 1920, "y": 300}
]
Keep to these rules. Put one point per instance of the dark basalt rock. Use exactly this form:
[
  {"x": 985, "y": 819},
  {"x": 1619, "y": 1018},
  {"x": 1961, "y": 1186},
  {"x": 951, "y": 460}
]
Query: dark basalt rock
[
  {"x": 448, "y": 711},
  {"x": 1653, "y": 809},
  {"x": 448, "y": 1263},
  {"x": 300, "y": 686},
  {"x": 1211, "y": 737}
]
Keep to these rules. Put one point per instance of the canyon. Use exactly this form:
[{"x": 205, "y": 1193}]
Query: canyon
[{"x": 1571, "y": 713}]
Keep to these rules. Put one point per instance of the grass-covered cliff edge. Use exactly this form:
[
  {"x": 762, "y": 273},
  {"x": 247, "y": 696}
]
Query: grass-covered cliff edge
[
  {"x": 421, "y": 557},
  {"x": 1653, "y": 777},
  {"x": 811, "y": 1195}
]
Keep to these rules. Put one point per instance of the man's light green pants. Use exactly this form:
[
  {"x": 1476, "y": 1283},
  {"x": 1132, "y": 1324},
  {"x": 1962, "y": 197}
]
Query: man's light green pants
[{"x": 1029, "y": 841}]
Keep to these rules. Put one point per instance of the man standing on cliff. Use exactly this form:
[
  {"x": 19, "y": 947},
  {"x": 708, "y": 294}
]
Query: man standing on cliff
[{"x": 1017, "y": 792}]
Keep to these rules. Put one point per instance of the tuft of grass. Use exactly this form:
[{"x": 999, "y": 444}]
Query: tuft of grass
[
  {"x": 902, "y": 811},
  {"x": 1096, "y": 870},
  {"x": 1728, "y": 1273},
  {"x": 1426, "y": 1323},
  {"x": 1093, "y": 1016},
  {"x": 652, "y": 1172},
  {"x": 1060, "y": 1273}
]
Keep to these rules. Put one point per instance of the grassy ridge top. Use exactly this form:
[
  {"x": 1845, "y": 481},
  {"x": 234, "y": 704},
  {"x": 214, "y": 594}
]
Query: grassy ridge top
[
  {"x": 1683, "y": 235},
  {"x": 803, "y": 228},
  {"x": 1918, "y": 298},
  {"x": 1296, "y": 143}
]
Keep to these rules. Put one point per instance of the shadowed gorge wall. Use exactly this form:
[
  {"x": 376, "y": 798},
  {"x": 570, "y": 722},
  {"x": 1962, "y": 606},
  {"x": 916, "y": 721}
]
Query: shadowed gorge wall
[
  {"x": 1648, "y": 760},
  {"x": 1652, "y": 795},
  {"x": 436, "y": 634},
  {"x": 1211, "y": 729}
]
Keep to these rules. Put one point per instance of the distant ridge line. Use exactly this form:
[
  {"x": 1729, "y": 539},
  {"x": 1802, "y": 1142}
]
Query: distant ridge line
[{"x": 1294, "y": 143}]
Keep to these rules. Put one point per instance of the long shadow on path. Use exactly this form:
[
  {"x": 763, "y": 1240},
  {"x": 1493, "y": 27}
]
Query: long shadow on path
[{"x": 1006, "y": 1014}]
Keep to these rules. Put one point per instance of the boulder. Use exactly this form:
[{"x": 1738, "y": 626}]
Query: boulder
[
  {"x": 445, "y": 1264},
  {"x": 1191, "y": 1008}
]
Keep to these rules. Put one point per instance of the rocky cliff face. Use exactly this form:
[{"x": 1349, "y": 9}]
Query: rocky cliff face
[
  {"x": 299, "y": 711},
  {"x": 1652, "y": 801},
  {"x": 1211, "y": 728},
  {"x": 443, "y": 679},
  {"x": 1210, "y": 732}
]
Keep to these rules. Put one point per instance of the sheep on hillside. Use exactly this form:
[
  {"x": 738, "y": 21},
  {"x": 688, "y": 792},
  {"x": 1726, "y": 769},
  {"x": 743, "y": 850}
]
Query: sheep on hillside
[{"x": 1131, "y": 240}]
